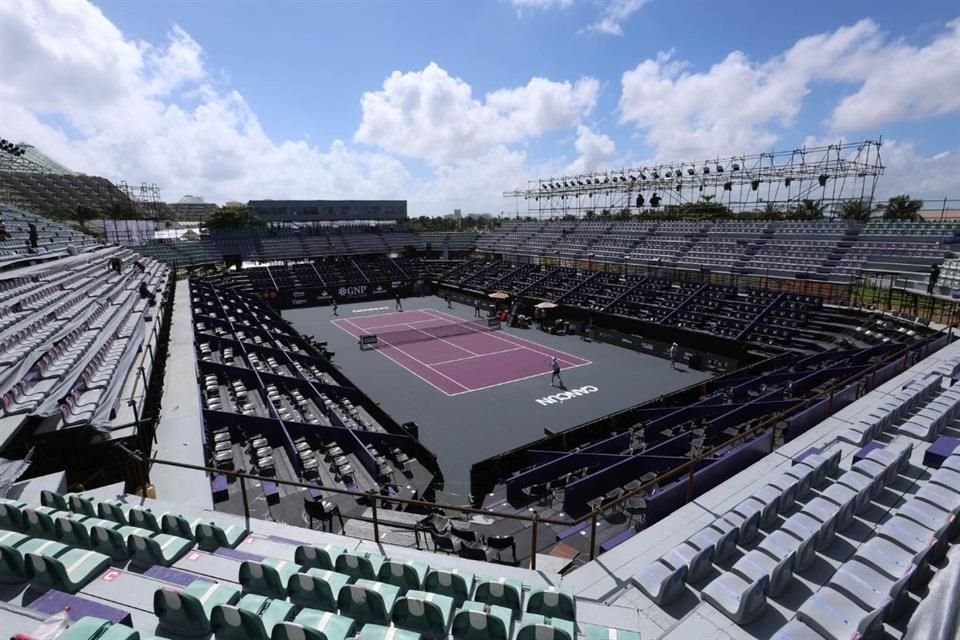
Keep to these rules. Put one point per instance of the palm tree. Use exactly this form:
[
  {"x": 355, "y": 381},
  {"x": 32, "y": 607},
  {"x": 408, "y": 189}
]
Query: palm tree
[
  {"x": 772, "y": 211},
  {"x": 857, "y": 210},
  {"x": 808, "y": 209},
  {"x": 902, "y": 207}
]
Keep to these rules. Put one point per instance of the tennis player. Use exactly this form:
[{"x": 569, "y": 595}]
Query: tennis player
[{"x": 555, "y": 364}]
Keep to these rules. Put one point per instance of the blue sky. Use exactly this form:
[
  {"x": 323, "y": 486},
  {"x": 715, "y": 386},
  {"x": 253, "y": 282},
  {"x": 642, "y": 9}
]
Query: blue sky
[{"x": 290, "y": 99}]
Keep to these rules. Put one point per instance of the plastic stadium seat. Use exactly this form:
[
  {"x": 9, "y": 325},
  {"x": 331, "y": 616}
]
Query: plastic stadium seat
[
  {"x": 795, "y": 630},
  {"x": 740, "y": 599},
  {"x": 552, "y": 602},
  {"x": 149, "y": 548},
  {"x": 316, "y": 588},
  {"x": 68, "y": 570},
  {"x": 503, "y": 592},
  {"x": 315, "y": 625},
  {"x": 364, "y": 566},
  {"x": 188, "y": 612},
  {"x": 888, "y": 558},
  {"x": 38, "y": 522},
  {"x": 53, "y": 499},
  {"x": 210, "y": 536},
  {"x": 720, "y": 535},
  {"x": 537, "y": 627},
  {"x": 367, "y": 601},
  {"x": 787, "y": 487},
  {"x": 871, "y": 589},
  {"x": 660, "y": 582},
  {"x": 252, "y": 618},
  {"x": 846, "y": 500},
  {"x": 90, "y": 628},
  {"x": 83, "y": 505},
  {"x": 746, "y": 517},
  {"x": 380, "y": 632},
  {"x": 426, "y": 613},
  {"x": 318, "y": 556},
  {"x": 116, "y": 511},
  {"x": 594, "y": 632},
  {"x": 781, "y": 544},
  {"x": 267, "y": 578},
  {"x": 833, "y": 615},
  {"x": 476, "y": 621},
  {"x": 11, "y": 514},
  {"x": 406, "y": 574},
  {"x": 770, "y": 498},
  {"x": 930, "y": 516},
  {"x": 452, "y": 583}
]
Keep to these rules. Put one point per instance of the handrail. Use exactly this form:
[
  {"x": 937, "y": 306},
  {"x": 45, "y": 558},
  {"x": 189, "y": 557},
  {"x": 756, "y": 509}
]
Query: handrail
[{"x": 688, "y": 468}]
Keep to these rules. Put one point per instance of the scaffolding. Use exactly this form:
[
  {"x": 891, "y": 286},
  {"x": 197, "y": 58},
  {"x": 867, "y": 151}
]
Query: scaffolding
[{"x": 777, "y": 180}]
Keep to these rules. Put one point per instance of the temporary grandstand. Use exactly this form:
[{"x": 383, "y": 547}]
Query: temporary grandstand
[{"x": 759, "y": 439}]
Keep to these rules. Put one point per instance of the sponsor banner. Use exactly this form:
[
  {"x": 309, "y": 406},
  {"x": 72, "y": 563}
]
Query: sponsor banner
[
  {"x": 563, "y": 396},
  {"x": 321, "y": 296}
]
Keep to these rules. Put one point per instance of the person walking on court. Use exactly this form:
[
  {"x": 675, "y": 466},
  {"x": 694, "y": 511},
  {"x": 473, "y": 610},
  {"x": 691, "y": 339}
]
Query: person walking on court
[
  {"x": 399, "y": 304},
  {"x": 555, "y": 365},
  {"x": 335, "y": 307},
  {"x": 446, "y": 297},
  {"x": 673, "y": 355},
  {"x": 476, "y": 308}
]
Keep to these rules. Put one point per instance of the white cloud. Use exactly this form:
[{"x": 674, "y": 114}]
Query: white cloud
[
  {"x": 906, "y": 83},
  {"x": 615, "y": 13},
  {"x": 523, "y": 5},
  {"x": 597, "y": 151},
  {"x": 737, "y": 104},
  {"x": 103, "y": 104},
  {"x": 432, "y": 115},
  {"x": 907, "y": 170}
]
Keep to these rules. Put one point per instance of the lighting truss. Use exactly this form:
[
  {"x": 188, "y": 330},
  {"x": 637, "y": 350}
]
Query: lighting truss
[{"x": 827, "y": 175}]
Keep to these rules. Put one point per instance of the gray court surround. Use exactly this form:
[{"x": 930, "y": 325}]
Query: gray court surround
[{"x": 467, "y": 428}]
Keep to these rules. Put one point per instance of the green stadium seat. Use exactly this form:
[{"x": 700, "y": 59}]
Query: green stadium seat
[
  {"x": 552, "y": 602},
  {"x": 477, "y": 621},
  {"x": 149, "y": 548},
  {"x": 53, "y": 499},
  {"x": 367, "y": 601},
  {"x": 148, "y": 519},
  {"x": 502, "y": 592},
  {"x": 210, "y": 536},
  {"x": 188, "y": 612},
  {"x": 83, "y": 505},
  {"x": 315, "y": 625},
  {"x": 90, "y": 628},
  {"x": 426, "y": 613},
  {"x": 11, "y": 557},
  {"x": 267, "y": 578},
  {"x": 406, "y": 574},
  {"x": 67, "y": 569},
  {"x": 362, "y": 566},
  {"x": 451, "y": 583},
  {"x": 116, "y": 511},
  {"x": 318, "y": 556},
  {"x": 380, "y": 632},
  {"x": 112, "y": 541},
  {"x": 38, "y": 522},
  {"x": 252, "y": 618},
  {"x": 316, "y": 588},
  {"x": 11, "y": 514},
  {"x": 536, "y": 627},
  {"x": 77, "y": 531},
  {"x": 594, "y": 632}
]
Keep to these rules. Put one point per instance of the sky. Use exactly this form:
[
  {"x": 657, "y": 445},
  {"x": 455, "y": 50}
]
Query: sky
[{"x": 449, "y": 104}]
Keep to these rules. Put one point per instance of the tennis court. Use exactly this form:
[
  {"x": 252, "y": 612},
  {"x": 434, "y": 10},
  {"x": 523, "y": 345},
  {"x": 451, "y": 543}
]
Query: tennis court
[{"x": 454, "y": 357}]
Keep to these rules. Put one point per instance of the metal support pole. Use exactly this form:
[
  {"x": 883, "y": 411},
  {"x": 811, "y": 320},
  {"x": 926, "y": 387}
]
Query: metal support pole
[
  {"x": 593, "y": 534},
  {"x": 243, "y": 495},
  {"x": 376, "y": 523},
  {"x": 533, "y": 542}
]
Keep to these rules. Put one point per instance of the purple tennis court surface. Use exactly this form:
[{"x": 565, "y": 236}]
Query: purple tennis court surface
[{"x": 461, "y": 363}]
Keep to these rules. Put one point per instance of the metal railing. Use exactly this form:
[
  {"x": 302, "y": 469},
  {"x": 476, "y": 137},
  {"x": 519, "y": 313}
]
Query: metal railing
[{"x": 687, "y": 469}]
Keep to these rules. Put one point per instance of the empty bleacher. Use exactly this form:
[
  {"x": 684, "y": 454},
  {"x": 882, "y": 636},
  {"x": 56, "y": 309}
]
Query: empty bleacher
[{"x": 52, "y": 238}]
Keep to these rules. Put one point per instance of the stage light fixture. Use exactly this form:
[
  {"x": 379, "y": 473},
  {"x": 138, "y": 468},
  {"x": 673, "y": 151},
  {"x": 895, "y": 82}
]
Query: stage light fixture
[
  {"x": 706, "y": 170},
  {"x": 735, "y": 166},
  {"x": 633, "y": 178},
  {"x": 822, "y": 179},
  {"x": 678, "y": 186},
  {"x": 690, "y": 171},
  {"x": 728, "y": 186},
  {"x": 656, "y": 176},
  {"x": 719, "y": 168},
  {"x": 669, "y": 174},
  {"x": 754, "y": 184}
]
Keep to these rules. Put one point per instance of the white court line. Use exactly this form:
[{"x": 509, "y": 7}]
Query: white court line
[
  {"x": 494, "y": 334},
  {"x": 395, "y": 313},
  {"x": 511, "y": 381},
  {"x": 480, "y": 355},
  {"x": 462, "y": 386}
]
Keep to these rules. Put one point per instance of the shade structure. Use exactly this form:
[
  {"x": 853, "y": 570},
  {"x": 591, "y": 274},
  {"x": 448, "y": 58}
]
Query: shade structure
[
  {"x": 499, "y": 295},
  {"x": 546, "y": 305}
]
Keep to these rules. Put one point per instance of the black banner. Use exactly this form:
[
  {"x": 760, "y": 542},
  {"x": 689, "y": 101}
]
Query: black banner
[{"x": 321, "y": 296}]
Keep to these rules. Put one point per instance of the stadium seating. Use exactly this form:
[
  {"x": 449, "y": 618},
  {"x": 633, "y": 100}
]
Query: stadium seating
[{"x": 52, "y": 238}]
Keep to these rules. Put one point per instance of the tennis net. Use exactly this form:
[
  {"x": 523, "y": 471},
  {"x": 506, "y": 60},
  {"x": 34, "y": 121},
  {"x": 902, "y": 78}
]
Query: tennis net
[{"x": 420, "y": 334}]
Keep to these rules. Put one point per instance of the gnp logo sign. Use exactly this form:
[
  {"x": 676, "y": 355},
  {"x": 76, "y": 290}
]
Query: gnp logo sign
[
  {"x": 353, "y": 292},
  {"x": 563, "y": 396}
]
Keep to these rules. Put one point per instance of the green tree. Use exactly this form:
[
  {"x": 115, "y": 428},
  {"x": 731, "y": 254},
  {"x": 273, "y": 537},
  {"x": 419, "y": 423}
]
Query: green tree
[
  {"x": 623, "y": 214},
  {"x": 772, "y": 211},
  {"x": 233, "y": 217},
  {"x": 902, "y": 207},
  {"x": 808, "y": 210},
  {"x": 856, "y": 210},
  {"x": 83, "y": 214}
]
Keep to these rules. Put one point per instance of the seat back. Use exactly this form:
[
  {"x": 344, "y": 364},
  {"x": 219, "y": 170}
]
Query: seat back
[{"x": 362, "y": 604}]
